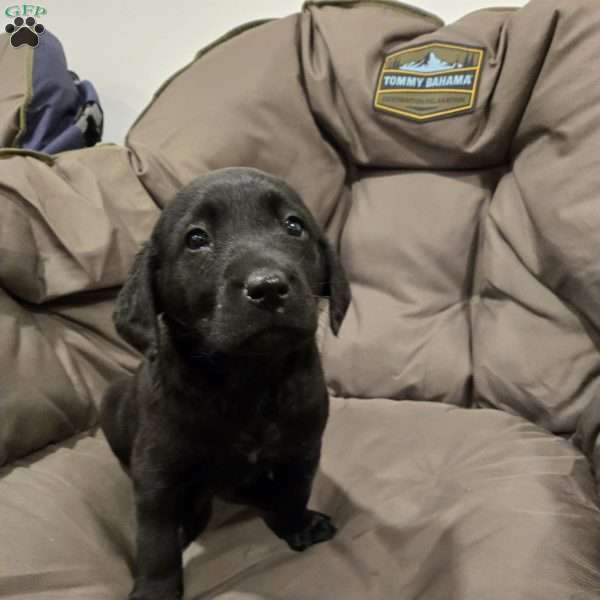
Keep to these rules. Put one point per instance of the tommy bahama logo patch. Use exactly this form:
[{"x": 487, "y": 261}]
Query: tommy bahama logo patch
[{"x": 428, "y": 82}]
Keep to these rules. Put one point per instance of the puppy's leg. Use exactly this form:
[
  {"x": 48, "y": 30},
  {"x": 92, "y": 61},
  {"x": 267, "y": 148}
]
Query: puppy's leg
[
  {"x": 159, "y": 573},
  {"x": 195, "y": 513},
  {"x": 283, "y": 496},
  {"x": 118, "y": 416}
]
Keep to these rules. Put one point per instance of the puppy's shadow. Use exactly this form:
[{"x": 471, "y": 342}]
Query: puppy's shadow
[{"x": 239, "y": 554}]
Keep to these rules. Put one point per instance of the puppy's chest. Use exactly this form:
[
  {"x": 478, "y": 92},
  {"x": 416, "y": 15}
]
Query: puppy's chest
[{"x": 260, "y": 439}]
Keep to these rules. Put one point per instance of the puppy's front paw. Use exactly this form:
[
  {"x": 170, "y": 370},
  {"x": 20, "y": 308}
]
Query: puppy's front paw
[
  {"x": 141, "y": 595},
  {"x": 319, "y": 528},
  {"x": 156, "y": 592}
]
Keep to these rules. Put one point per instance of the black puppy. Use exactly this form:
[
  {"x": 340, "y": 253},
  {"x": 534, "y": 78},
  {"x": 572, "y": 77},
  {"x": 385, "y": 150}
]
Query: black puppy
[{"x": 230, "y": 400}]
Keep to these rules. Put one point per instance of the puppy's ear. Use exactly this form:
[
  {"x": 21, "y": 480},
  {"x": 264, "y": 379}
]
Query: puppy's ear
[
  {"x": 135, "y": 315},
  {"x": 335, "y": 286}
]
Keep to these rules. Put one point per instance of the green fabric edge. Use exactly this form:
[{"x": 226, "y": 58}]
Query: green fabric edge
[
  {"x": 400, "y": 6},
  {"x": 220, "y": 40},
  {"x": 50, "y": 159},
  {"x": 497, "y": 9},
  {"x": 10, "y": 152}
]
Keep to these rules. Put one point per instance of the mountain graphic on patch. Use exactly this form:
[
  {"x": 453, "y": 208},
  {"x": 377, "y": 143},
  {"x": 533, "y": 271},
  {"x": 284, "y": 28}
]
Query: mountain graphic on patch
[{"x": 431, "y": 62}]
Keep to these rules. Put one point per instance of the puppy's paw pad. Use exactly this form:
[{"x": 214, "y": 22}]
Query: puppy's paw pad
[
  {"x": 146, "y": 597},
  {"x": 169, "y": 589},
  {"x": 141, "y": 595},
  {"x": 319, "y": 529}
]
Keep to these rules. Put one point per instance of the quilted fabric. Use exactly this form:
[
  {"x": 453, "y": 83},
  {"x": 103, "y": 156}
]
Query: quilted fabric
[{"x": 431, "y": 502}]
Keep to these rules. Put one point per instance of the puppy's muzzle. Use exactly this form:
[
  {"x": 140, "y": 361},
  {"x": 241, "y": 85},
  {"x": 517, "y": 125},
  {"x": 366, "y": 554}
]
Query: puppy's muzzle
[{"x": 267, "y": 288}]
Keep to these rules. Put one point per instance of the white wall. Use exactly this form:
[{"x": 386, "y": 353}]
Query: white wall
[{"x": 128, "y": 48}]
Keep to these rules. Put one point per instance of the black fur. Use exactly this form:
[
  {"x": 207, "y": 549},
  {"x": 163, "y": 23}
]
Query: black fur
[{"x": 230, "y": 399}]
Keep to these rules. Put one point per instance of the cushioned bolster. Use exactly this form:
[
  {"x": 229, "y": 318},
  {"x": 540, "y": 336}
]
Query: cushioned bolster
[
  {"x": 409, "y": 247},
  {"x": 556, "y": 150},
  {"x": 240, "y": 103},
  {"x": 533, "y": 354},
  {"x": 341, "y": 80},
  {"x": 536, "y": 345},
  {"x": 55, "y": 363},
  {"x": 15, "y": 93},
  {"x": 70, "y": 223},
  {"x": 35, "y": 390}
]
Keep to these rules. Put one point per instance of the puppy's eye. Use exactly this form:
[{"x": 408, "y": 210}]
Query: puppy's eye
[
  {"x": 294, "y": 226},
  {"x": 196, "y": 239}
]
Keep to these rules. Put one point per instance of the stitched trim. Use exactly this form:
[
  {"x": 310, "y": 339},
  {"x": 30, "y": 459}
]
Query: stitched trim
[
  {"x": 9, "y": 152},
  {"x": 400, "y": 6},
  {"x": 224, "y": 38}
]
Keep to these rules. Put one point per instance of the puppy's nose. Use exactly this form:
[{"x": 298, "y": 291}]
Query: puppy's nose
[{"x": 267, "y": 288}]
